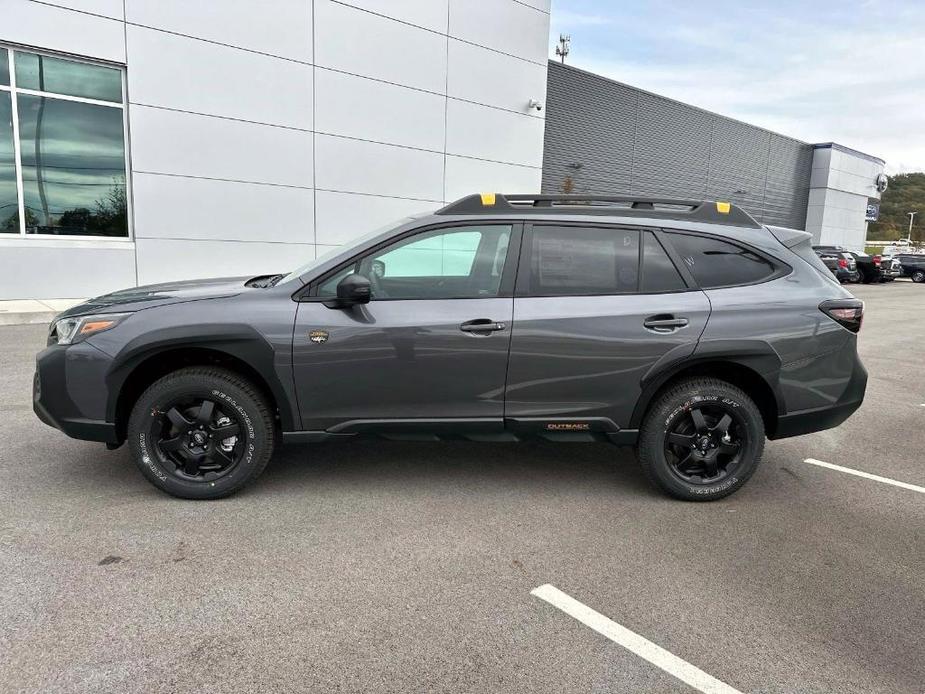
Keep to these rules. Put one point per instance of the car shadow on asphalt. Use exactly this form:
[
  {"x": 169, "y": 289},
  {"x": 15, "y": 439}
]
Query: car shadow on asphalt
[{"x": 455, "y": 464}]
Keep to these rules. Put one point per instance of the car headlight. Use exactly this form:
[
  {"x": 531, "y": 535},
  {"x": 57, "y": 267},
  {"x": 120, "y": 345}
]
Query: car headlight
[{"x": 67, "y": 331}]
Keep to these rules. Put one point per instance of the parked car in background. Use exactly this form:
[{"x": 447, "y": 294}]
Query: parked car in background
[
  {"x": 870, "y": 267},
  {"x": 842, "y": 265},
  {"x": 890, "y": 268},
  {"x": 913, "y": 266}
]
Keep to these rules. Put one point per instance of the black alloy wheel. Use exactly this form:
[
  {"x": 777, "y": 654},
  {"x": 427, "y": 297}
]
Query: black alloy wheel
[
  {"x": 703, "y": 444},
  {"x": 196, "y": 439}
]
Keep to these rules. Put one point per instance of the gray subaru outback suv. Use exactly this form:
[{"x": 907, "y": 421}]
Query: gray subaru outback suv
[{"x": 685, "y": 329}]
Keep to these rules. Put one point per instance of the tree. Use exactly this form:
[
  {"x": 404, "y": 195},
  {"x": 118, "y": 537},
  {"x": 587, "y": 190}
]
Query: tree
[{"x": 905, "y": 194}]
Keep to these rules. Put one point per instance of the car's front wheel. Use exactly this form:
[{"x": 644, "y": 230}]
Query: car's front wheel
[
  {"x": 201, "y": 433},
  {"x": 701, "y": 440}
]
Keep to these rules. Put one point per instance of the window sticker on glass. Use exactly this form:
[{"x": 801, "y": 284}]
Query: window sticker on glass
[{"x": 576, "y": 260}]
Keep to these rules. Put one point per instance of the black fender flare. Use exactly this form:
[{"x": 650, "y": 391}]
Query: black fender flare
[
  {"x": 757, "y": 356},
  {"x": 238, "y": 340}
]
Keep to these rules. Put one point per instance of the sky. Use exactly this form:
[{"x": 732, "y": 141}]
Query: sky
[{"x": 851, "y": 72}]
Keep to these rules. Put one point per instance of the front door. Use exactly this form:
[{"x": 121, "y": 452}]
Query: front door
[
  {"x": 596, "y": 307},
  {"x": 431, "y": 344}
]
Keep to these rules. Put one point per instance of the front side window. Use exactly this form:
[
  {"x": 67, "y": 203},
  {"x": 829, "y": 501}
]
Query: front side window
[
  {"x": 715, "y": 263},
  {"x": 574, "y": 261},
  {"x": 68, "y": 174},
  {"x": 455, "y": 263}
]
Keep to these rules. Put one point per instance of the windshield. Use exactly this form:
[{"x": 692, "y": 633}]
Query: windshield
[{"x": 324, "y": 257}]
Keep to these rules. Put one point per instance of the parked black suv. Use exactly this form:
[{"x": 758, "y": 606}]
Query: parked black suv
[
  {"x": 913, "y": 266},
  {"x": 683, "y": 328}
]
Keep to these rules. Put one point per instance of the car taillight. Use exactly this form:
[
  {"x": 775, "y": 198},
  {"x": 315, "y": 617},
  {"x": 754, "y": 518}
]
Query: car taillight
[
  {"x": 848, "y": 313},
  {"x": 876, "y": 260},
  {"x": 842, "y": 263}
]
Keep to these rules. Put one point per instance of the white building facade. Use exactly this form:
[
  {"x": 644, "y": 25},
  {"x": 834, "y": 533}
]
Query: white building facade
[
  {"x": 145, "y": 141},
  {"x": 842, "y": 183}
]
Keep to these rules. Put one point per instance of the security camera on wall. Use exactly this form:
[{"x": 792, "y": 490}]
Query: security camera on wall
[{"x": 533, "y": 103}]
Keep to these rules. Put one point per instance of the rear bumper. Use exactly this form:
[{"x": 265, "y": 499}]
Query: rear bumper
[
  {"x": 830, "y": 416},
  {"x": 73, "y": 402}
]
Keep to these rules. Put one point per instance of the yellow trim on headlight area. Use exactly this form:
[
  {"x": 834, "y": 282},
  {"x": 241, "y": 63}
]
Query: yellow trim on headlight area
[
  {"x": 723, "y": 207},
  {"x": 488, "y": 199}
]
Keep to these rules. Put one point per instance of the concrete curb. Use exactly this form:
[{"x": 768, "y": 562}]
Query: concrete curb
[
  {"x": 27, "y": 318},
  {"x": 33, "y": 311}
]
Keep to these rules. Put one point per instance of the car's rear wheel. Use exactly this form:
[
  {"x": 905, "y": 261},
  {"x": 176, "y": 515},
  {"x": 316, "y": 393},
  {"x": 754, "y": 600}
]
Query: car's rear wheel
[
  {"x": 201, "y": 433},
  {"x": 918, "y": 276},
  {"x": 701, "y": 440}
]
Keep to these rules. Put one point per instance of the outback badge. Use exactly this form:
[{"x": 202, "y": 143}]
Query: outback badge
[{"x": 318, "y": 336}]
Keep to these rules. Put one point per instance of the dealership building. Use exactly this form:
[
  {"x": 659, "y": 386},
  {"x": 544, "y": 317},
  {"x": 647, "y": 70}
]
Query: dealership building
[{"x": 144, "y": 141}]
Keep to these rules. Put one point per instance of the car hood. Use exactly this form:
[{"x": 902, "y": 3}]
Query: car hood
[{"x": 152, "y": 295}]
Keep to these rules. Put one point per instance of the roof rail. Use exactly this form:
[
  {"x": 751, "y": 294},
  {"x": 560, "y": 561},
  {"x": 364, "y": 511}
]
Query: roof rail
[{"x": 708, "y": 211}]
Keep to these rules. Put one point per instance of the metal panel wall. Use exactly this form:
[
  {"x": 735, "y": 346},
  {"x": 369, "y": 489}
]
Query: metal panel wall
[{"x": 606, "y": 137}]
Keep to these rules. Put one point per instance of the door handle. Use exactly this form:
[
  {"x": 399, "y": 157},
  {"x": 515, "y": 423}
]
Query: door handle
[
  {"x": 482, "y": 325},
  {"x": 664, "y": 323}
]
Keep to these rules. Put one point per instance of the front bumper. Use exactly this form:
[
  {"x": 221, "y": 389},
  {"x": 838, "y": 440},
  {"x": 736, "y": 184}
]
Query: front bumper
[
  {"x": 69, "y": 391},
  {"x": 830, "y": 416}
]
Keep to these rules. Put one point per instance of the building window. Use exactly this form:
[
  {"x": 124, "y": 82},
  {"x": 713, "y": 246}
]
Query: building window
[{"x": 62, "y": 147}]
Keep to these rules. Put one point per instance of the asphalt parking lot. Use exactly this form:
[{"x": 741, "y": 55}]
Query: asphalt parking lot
[{"x": 409, "y": 566}]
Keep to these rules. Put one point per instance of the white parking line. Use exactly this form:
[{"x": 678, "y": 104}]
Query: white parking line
[
  {"x": 866, "y": 475},
  {"x": 633, "y": 642}
]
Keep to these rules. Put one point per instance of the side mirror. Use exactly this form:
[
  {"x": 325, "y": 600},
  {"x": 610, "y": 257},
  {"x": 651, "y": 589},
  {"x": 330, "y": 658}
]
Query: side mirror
[{"x": 352, "y": 290}]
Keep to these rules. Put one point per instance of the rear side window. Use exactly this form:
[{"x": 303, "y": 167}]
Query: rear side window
[
  {"x": 574, "y": 260},
  {"x": 715, "y": 263},
  {"x": 658, "y": 272}
]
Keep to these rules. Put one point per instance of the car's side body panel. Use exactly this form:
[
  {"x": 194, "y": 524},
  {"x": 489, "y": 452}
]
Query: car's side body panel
[
  {"x": 399, "y": 360},
  {"x": 585, "y": 356}
]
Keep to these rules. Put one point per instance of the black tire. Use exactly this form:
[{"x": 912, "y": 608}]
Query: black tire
[
  {"x": 169, "y": 457},
  {"x": 918, "y": 276},
  {"x": 735, "y": 450}
]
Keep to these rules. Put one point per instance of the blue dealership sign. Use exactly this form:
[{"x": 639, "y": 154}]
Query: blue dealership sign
[{"x": 873, "y": 212}]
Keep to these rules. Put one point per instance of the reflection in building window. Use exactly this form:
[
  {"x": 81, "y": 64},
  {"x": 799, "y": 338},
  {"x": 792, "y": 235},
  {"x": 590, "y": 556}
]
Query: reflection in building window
[{"x": 71, "y": 171}]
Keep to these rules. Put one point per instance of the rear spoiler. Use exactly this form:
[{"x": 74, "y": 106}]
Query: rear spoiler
[{"x": 790, "y": 237}]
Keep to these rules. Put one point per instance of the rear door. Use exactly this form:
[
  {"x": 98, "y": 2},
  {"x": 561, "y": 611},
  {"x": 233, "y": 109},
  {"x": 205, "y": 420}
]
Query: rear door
[{"x": 595, "y": 308}]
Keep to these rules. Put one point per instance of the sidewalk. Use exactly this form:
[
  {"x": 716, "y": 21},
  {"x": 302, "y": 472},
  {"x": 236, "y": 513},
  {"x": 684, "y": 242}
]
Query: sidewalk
[{"x": 26, "y": 311}]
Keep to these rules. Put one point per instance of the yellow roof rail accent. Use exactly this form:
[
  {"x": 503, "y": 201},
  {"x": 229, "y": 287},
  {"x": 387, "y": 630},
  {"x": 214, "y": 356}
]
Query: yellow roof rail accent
[
  {"x": 488, "y": 199},
  {"x": 723, "y": 207}
]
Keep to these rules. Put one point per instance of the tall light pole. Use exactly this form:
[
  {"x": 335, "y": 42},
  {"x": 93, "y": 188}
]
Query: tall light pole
[{"x": 911, "y": 218}]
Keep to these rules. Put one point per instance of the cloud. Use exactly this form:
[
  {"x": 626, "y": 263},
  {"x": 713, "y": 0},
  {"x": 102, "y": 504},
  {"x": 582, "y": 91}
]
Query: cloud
[{"x": 816, "y": 71}]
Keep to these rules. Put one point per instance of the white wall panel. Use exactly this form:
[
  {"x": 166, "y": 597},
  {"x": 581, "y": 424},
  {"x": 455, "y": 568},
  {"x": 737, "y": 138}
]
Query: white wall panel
[
  {"x": 106, "y": 8},
  {"x": 193, "y": 75},
  {"x": 57, "y": 29},
  {"x": 371, "y": 110},
  {"x": 182, "y": 143},
  {"x": 342, "y": 217},
  {"x": 196, "y": 208},
  {"x": 160, "y": 260},
  {"x": 491, "y": 78},
  {"x": 487, "y": 133},
  {"x": 283, "y": 28},
  {"x": 468, "y": 176},
  {"x": 365, "y": 167},
  {"x": 503, "y": 25},
  {"x": 430, "y": 14},
  {"x": 37, "y": 269},
  {"x": 361, "y": 43}
]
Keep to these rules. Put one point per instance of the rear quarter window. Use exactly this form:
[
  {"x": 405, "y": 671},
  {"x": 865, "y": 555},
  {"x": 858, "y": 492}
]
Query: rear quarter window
[{"x": 715, "y": 263}]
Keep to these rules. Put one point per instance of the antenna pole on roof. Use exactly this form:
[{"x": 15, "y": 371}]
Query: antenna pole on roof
[{"x": 563, "y": 48}]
